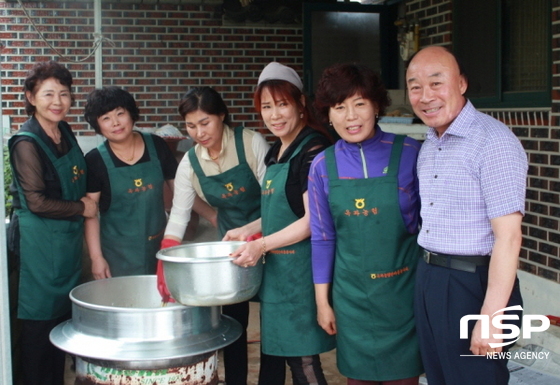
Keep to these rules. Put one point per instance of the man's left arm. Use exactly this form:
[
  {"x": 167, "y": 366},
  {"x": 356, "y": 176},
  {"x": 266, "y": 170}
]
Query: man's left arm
[{"x": 501, "y": 277}]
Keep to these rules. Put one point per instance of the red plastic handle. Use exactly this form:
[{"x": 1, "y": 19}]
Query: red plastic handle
[
  {"x": 161, "y": 284},
  {"x": 254, "y": 236}
]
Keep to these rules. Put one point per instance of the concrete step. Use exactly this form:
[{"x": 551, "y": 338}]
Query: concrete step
[
  {"x": 541, "y": 352},
  {"x": 549, "y": 339},
  {"x": 534, "y": 361}
]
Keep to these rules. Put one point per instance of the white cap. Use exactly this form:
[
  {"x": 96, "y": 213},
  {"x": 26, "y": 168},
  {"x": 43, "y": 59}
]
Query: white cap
[{"x": 277, "y": 71}]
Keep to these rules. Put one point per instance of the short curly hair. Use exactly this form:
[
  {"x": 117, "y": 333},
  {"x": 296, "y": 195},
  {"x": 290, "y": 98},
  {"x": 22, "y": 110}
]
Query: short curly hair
[
  {"x": 38, "y": 74},
  {"x": 341, "y": 81},
  {"x": 106, "y": 99}
]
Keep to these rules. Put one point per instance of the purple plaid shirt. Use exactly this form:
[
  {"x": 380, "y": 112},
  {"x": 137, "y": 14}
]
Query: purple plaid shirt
[{"x": 476, "y": 171}]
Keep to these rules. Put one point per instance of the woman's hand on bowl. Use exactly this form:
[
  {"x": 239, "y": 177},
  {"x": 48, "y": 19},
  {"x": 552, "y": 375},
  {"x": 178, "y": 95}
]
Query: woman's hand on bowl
[
  {"x": 238, "y": 234},
  {"x": 247, "y": 254},
  {"x": 244, "y": 232}
]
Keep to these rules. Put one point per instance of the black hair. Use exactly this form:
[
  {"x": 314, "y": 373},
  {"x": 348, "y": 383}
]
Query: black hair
[
  {"x": 41, "y": 72},
  {"x": 205, "y": 99},
  {"x": 341, "y": 81},
  {"x": 106, "y": 99}
]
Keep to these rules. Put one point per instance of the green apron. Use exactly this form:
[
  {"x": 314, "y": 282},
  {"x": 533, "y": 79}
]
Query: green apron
[
  {"x": 235, "y": 192},
  {"x": 51, "y": 249},
  {"x": 289, "y": 325},
  {"x": 373, "y": 283},
  {"x": 132, "y": 228}
]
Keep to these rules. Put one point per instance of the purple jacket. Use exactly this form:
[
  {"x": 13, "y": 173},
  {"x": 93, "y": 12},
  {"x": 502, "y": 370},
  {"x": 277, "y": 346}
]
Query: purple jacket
[{"x": 377, "y": 152}]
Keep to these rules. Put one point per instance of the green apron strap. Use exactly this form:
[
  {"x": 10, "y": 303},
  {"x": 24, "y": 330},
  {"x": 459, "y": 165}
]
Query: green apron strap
[
  {"x": 234, "y": 192},
  {"x": 41, "y": 144},
  {"x": 373, "y": 282},
  {"x": 239, "y": 146},
  {"x": 195, "y": 164},
  {"x": 288, "y": 311},
  {"x": 302, "y": 143},
  {"x": 332, "y": 168},
  {"x": 47, "y": 274},
  {"x": 136, "y": 198},
  {"x": 396, "y": 152}
]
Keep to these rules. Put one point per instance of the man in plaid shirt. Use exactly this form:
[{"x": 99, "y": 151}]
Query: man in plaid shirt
[{"x": 472, "y": 172}]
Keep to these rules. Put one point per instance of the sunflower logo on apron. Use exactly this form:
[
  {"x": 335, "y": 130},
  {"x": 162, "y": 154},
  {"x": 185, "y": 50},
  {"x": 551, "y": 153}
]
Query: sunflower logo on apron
[{"x": 360, "y": 203}]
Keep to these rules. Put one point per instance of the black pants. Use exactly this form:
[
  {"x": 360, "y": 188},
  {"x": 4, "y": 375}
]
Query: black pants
[
  {"x": 443, "y": 296},
  {"x": 42, "y": 362},
  {"x": 305, "y": 370},
  {"x": 235, "y": 355}
]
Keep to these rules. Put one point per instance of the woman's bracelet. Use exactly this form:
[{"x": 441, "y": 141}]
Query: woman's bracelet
[{"x": 263, "y": 248}]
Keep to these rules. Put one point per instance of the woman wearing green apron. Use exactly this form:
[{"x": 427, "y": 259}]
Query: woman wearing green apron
[
  {"x": 289, "y": 329},
  {"x": 364, "y": 221},
  {"x": 224, "y": 169},
  {"x": 50, "y": 176},
  {"x": 127, "y": 176}
]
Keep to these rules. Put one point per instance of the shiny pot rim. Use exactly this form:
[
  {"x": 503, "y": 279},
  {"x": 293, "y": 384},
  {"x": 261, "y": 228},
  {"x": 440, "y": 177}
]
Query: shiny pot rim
[
  {"x": 197, "y": 275},
  {"x": 217, "y": 259},
  {"x": 163, "y": 253},
  {"x": 121, "y": 319},
  {"x": 120, "y": 309},
  {"x": 143, "y": 354}
]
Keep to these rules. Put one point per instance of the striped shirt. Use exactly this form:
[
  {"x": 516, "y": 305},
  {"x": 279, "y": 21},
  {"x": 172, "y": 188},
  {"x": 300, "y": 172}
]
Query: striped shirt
[{"x": 475, "y": 172}]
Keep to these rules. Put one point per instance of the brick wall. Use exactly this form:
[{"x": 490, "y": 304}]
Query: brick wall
[
  {"x": 159, "y": 52},
  {"x": 434, "y": 17},
  {"x": 544, "y": 257},
  {"x": 163, "y": 49},
  {"x": 539, "y": 132},
  {"x": 541, "y": 235}
]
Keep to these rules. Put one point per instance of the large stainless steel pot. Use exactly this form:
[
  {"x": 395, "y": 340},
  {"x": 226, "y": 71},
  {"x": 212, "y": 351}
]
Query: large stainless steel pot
[
  {"x": 202, "y": 274},
  {"x": 120, "y": 322}
]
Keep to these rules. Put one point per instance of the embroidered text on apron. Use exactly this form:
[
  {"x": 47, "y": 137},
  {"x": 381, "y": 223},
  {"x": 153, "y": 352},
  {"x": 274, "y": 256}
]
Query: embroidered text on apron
[
  {"x": 373, "y": 283},
  {"x": 288, "y": 311},
  {"x": 132, "y": 228},
  {"x": 51, "y": 249}
]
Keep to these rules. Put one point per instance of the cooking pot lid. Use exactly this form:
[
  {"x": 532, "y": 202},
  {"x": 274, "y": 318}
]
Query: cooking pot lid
[{"x": 65, "y": 337}]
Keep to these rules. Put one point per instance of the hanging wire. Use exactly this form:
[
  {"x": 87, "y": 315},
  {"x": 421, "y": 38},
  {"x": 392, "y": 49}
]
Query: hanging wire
[{"x": 99, "y": 39}]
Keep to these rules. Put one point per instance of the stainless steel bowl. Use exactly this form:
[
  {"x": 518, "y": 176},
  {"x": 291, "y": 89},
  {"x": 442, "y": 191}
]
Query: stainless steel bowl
[
  {"x": 122, "y": 321},
  {"x": 202, "y": 274}
]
